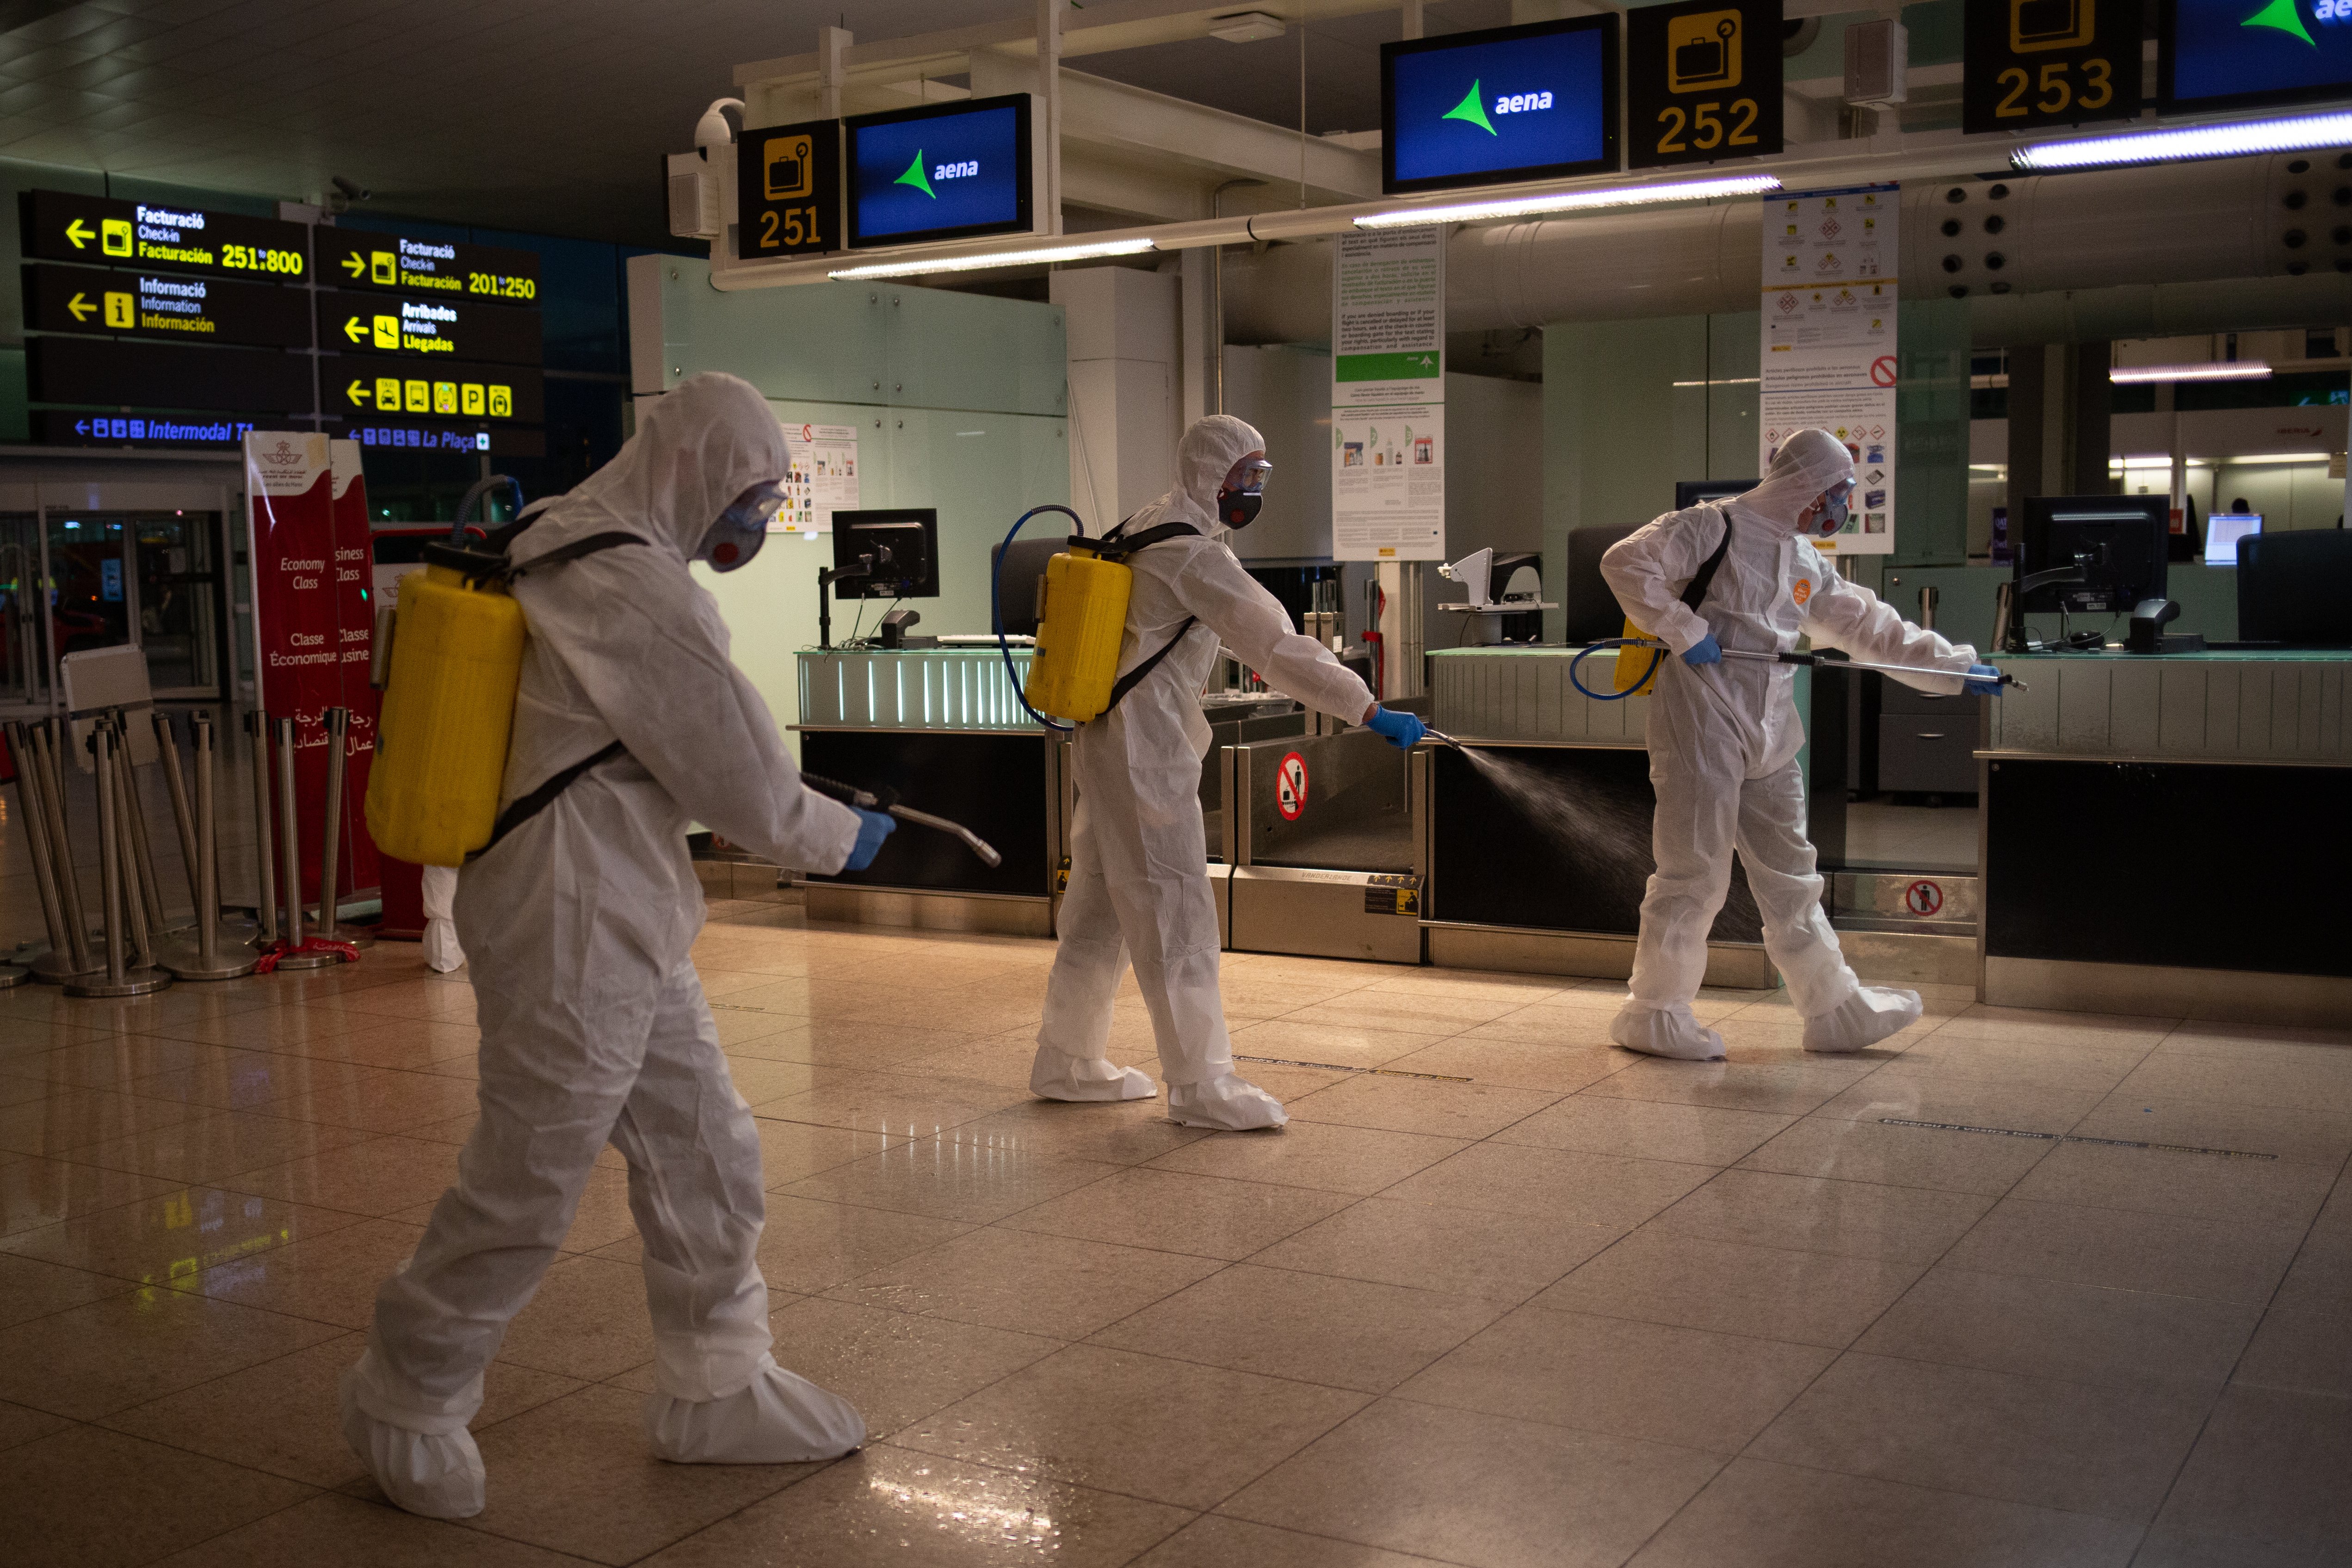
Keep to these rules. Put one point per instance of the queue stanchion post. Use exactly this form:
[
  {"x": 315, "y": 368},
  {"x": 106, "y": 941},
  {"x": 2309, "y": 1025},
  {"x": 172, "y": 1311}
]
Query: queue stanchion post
[
  {"x": 120, "y": 977},
  {"x": 213, "y": 954}
]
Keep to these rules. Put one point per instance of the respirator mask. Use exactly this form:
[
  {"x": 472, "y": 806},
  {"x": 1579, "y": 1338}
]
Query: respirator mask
[
  {"x": 743, "y": 528},
  {"x": 1835, "y": 504},
  {"x": 1244, "y": 492}
]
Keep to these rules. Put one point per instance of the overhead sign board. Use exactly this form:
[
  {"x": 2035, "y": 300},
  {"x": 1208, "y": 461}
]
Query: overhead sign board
[
  {"x": 1509, "y": 103},
  {"x": 1702, "y": 81},
  {"x": 117, "y": 375},
  {"x": 2033, "y": 63},
  {"x": 58, "y": 226},
  {"x": 164, "y": 305},
  {"x": 74, "y": 427},
  {"x": 2223, "y": 54},
  {"x": 788, "y": 190},
  {"x": 492, "y": 392},
  {"x": 444, "y": 269},
  {"x": 373, "y": 323},
  {"x": 945, "y": 172},
  {"x": 498, "y": 440}
]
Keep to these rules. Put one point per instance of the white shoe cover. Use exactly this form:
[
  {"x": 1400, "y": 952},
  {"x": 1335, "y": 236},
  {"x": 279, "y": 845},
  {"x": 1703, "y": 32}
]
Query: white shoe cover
[
  {"x": 1057, "y": 1075},
  {"x": 782, "y": 1418},
  {"x": 442, "y": 953},
  {"x": 1229, "y": 1104},
  {"x": 437, "y": 1474},
  {"x": 1665, "y": 1032},
  {"x": 1863, "y": 1019}
]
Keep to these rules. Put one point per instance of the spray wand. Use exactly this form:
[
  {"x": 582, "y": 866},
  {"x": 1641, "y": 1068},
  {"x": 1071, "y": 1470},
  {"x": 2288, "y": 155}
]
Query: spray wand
[
  {"x": 1808, "y": 659},
  {"x": 888, "y": 801}
]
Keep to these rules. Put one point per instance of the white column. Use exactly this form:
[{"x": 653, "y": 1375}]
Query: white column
[
  {"x": 832, "y": 70},
  {"x": 1123, "y": 368},
  {"x": 1049, "y": 90}
]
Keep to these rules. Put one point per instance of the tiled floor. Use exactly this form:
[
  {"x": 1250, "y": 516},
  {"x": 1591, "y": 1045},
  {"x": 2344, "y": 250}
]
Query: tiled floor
[{"x": 1500, "y": 1295}]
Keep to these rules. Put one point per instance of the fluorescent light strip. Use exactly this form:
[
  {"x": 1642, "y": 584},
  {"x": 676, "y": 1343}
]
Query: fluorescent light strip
[
  {"x": 1724, "y": 381},
  {"x": 2284, "y": 457},
  {"x": 1574, "y": 201},
  {"x": 2295, "y": 134},
  {"x": 2219, "y": 370},
  {"x": 975, "y": 262}
]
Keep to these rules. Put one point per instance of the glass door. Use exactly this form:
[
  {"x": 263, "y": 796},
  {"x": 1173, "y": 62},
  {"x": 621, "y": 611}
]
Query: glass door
[
  {"x": 24, "y": 669},
  {"x": 90, "y": 583},
  {"x": 150, "y": 578}
]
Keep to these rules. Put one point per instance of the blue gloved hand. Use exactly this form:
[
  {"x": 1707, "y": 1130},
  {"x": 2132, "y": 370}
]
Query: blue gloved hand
[
  {"x": 1984, "y": 680},
  {"x": 1401, "y": 731},
  {"x": 873, "y": 827},
  {"x": 1706, "y": 650}
]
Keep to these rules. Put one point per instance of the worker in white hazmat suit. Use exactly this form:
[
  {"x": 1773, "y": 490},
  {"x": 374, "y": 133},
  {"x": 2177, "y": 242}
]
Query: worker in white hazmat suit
[
  {"x": 1139, "y": 888},
  {"x": 577, "y": 921},
  {"x": 1724, "y": 736},
  {"x": 438, "y": 886}
]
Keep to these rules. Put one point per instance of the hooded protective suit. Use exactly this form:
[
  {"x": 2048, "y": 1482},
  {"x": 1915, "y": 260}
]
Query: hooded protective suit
[
  {"x": 593, "y": 1028},
  {"x": 1723, "y": 741},
  {"x": 1138, "y": 889}
]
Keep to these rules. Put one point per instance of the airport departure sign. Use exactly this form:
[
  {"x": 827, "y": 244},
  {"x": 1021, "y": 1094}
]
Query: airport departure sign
[
  {"x": 2033, "y": 63},
  {"x": 1702, "y": 81},
  {"x": 107, "y": 233},
  {"x": 164, "y": 305},
  {"x": 788, "y": 190},
  {"x": 371, "y": 324},
  {"x": 441, "y": 269},
  {"x": 1510, "y": 103},
  {"x": 453, "y": 391}
]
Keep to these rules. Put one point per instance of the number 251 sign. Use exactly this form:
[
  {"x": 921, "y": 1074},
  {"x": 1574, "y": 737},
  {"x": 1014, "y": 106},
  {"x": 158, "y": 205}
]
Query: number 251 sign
[
  {"x": 2032, "y": 63},
  {"x": 1702, "y": 82}
]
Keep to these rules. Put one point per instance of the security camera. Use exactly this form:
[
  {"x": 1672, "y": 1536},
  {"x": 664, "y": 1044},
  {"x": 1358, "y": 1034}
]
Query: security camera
[{"x": 353, "y": 190}]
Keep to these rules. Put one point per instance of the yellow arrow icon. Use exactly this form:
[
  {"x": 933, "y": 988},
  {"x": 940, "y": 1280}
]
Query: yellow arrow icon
[
  {"x": 80, "y": 307},
  {"x": 79, "y": 232},
  {"x": 358, "y": 393},
  {"x": 355, "y": 328},
  {"x": 355, "y": 265}
]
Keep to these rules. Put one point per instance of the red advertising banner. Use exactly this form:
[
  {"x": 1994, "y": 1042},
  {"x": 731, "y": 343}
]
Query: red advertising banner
[
  {"x": 355, "y": 634},
  {"x": 305, "y": 660}
]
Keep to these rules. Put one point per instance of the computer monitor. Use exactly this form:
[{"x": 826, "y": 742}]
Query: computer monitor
[
  {"x": 904, "y": 545},
  {"x": 2117, "y": 540},
  {"x": 2296, "y": 588},
  {"x": 2223, "y": 532}
]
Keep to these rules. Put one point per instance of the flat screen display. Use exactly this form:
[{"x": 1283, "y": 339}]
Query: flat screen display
[
  {"x": 2221, "y": 53},
  {"x": 1510, "y": 103},
  {"x": 942, "y": 172},
  {"x": 2223, "y": 532}
]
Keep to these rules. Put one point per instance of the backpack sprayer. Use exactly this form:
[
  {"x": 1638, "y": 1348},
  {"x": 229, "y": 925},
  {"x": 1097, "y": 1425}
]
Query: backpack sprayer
[{"x": 1660, "y": 650}]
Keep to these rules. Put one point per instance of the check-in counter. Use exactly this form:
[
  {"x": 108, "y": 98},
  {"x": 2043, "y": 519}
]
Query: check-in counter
[
  {"x": 2171, "y": 835},
  {"x": 1318, "y": 848},
  {"x": 1548, "y": 877}
]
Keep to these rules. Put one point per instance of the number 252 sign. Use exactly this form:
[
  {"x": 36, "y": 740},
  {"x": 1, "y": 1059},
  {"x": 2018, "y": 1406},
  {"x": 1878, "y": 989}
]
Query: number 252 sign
[
  {"x": 1702, "y": 82},
  {"x": 2032, "y": 63}
]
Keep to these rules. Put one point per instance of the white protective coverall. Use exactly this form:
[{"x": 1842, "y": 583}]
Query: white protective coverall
[
  {"x": 594, "y": 1027},
  {"x": 1138, "y": 889},
  {"x": 1723, "y": 742},
  {"x": 442, "y": 950}
]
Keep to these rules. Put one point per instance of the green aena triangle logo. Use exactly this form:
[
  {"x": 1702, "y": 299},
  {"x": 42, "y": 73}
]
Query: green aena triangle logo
[
  {"x": 1473, "y": 107},
  {"x": 2285, "y": 16},
  {"x": 916, "y": 177}
]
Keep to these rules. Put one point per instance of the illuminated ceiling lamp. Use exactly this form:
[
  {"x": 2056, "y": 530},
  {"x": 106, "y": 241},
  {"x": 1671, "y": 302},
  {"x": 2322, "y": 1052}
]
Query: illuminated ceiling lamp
[
  {"x": 1574, "y": 201},
  {"x": 2289, "y": 133},
  {"x": 2219, "y": 370},
  {"x": 975, "y": 261}
]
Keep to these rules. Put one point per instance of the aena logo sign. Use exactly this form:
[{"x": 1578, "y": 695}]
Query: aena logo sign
[
  {"x": 2286, "y": 17},
  {"x": 1473, "y": 107},
  {"x": 921, "y": 180}
]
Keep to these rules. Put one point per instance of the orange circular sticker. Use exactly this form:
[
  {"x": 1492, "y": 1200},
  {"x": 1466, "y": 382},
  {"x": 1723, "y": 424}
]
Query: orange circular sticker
[{"x": 1804, "y": 589}]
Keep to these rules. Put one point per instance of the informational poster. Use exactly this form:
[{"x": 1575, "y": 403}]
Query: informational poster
[
  {"x": 822, "y": 478},
  {"x": 1829, "y": 358},
  {"x": 1387, "y": 395}
]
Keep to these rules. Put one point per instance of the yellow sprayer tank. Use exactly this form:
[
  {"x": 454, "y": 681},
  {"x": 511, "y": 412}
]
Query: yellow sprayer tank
[
  {"x": 1080, "y": 628},
  {"x": 448, "y": 711}
]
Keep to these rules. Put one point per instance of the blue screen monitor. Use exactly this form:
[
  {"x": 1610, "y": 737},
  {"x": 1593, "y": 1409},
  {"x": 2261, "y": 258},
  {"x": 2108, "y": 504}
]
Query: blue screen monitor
[
  {"x": 2217, "y": 54},
  {"x": 1509, "y": 103},
  {"x": 944, "y": 171},
  {"x": 2223, "y": 530}
]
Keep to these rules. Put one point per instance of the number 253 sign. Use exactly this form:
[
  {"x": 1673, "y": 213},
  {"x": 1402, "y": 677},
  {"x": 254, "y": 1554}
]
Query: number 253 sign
[
  {"x": 1702, "y": 82},
  {"x": 2032, "y": 63}
]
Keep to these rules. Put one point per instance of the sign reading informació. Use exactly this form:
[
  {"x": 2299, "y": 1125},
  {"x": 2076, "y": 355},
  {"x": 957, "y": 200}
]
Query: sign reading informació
[{"x": 1387, "y": 395}]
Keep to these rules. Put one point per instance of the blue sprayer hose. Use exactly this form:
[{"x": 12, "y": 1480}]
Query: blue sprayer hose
[
  {"x": 1657, "y": 657},
  {"x": 997, "y": 609}
]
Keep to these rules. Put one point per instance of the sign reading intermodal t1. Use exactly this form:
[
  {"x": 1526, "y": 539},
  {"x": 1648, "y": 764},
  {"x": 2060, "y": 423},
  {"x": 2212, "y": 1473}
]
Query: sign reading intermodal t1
[
  {"x": 164, "y": 305},
  {"x": 376, "y": 324},
  {"x": 58, "y": 226},
  {"x": 450, "y": 390},
  {"x": 444, "y": 269},
  {"x": 1702, "y": 81}
]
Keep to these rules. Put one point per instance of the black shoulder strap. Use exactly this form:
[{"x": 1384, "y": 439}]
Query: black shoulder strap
[
  {"x": 1116, "y": 546},
  {"x": 1701, "y": 578},
  {"x": 1133, "y": 677},
  {"x": 574, "y": 550},
  {"x": 527, "y": 806}
]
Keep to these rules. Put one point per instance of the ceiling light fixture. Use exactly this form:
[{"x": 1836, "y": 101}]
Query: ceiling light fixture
[
  {"x": 1574, "y": 201},
  {"x": 2293, "y": 134},
  {"x": 981, "y": 260},
  {"x": 1246, "y": 27},
  {"x": 2219, "y": 370}
]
